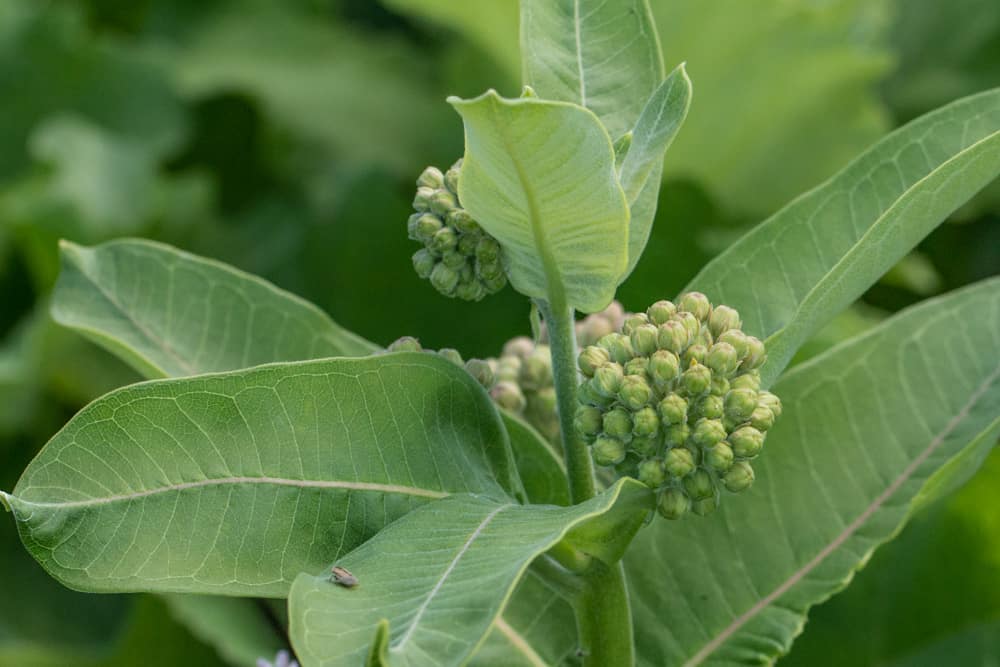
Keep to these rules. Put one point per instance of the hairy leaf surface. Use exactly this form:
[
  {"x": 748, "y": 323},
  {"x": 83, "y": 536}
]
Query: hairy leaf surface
[{"x": 865, "y": 425}]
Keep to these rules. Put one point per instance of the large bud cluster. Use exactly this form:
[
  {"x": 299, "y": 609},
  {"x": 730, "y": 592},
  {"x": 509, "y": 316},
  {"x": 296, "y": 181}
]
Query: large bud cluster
[
  {"x": 458, "y": 257},
  {"x": 674, "y": 400}
]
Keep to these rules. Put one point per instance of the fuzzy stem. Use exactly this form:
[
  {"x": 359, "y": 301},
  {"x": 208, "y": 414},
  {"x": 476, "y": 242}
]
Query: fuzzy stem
[
  {"x": 604, "y": 619},
  {"x": 562, "y": 338}
]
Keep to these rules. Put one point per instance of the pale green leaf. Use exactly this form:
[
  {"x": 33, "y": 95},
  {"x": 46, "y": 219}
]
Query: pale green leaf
[
  {"x": 461, "y": 553},
  {"x": 540, "y": 177},
  {"x": 235, "y": 483},
  {"x": 794, "y": 272},
  {"x": 601, "y": 55},
  {"x": 170, "y": 313},
  {"x": 865, "y": 425}
]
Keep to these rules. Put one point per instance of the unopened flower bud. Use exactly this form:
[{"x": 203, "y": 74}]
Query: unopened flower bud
[
  {"x": 771, "y": 402},
  {"x": 431, "y": 178},
  {"x": 470, "y": 291},
  {"x": 707, "y": 432},
  {"x": 679, "y": 462},
  {"x": 720, "y": 386},
  {"x": 695, "y": 303},
  {"x": 451, "y": 176},
  {"x": 722, "y": 359},
  {"x": 520, "y": 347},
  {"x": 749, "y": 380},
  {"x": 673, "y": 336},
  {"x": 405, "y": 344},
  {"x": 699, "y": 485},
  {"x": 696, "y": 353},
  {"x": 452, "y": 355},
  {"x": 673, "y": 504},
  {"x": 635, "y": 392},
  {"x": 588, "y": 396},
  {"x": 723, "y": 318},
  {"x": 487, "y": 250},
  {"x": 696, "y": 380},
  {"x": 588, "y": 420},
  {"x": 690, "y": 322},
  {"x": 637, "y": 366},
  {"x": 443, "y": 240},
  {"x": 607, "y": 380},
  {"x": 646, "y": 422},
  {"x": 673, "y": 409},
  {"x": 592, "y": 358},
  {"x": 663, "y": 367},
  {"x": 423, "y": 263},
  {"x": 719, "y": 457},
  {"x": 746, "y": 441},
  {"x": 644, "y": 339},
  {"x": 442, "y": 201},
  {"x": 676, "y": 434},
  {"x": 651, "y": 473},
  {"x": 608, "y": 451},
  {"x": 755, "y": 354},
  {"x": 618, "y": 423},
  {"x": 453, "y": 260},
  {"x": 737, "y": 339},
  {"x": 709, "y": 407},
  {"x": 536, "y": 369},
  {"x": 508, "y": 396},
  {"x": 739, "y": 478},
  {"x": 762, "y": 418},
  {"x": 660, "y": 312},
  {"x": 740, "y": 404},
  {"x": 632, "y": 321},
  {"x": 481, "y": 371},
  {"x": 422, "y": 200},
  {"x": 619, "y": 347},
  {"x": 463, "y": 221},
  {"x": 444, "y": 279},
  {"x": 508, "y": 368},
  {"x": 705, "y": 506},
  {"x": 644, "y": 446},
  {"x": 426, "y": 226}
]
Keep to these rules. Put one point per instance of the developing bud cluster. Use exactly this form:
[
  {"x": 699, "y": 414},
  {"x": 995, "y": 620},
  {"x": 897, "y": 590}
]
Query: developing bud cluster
[
  {"x": 458, "y": 257},
  {"x": 674, "y": 400}
]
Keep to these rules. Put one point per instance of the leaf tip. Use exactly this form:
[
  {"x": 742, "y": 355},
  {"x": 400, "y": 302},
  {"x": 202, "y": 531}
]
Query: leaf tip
[{"x": 5, "y": 501}]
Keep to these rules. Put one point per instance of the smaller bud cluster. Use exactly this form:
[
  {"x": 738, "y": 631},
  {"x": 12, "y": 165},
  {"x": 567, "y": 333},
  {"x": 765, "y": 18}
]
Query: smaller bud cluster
[
  {"x": 524, "y": 384},
  {"x": 673, "y": 399},
  {"x": 480, "y": 370},
  {"x": 459, "y": 257}
]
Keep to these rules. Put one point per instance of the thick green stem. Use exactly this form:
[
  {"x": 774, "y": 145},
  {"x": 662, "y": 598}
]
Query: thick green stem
[
  {"x": 562, "y": 338},
  {"x": 604, "y": 619}
]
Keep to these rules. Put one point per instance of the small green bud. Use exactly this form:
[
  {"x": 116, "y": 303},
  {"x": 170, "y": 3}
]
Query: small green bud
[
  {"x": 756, "y": 354},
  {"x": 663, "y": 367},
  {"x": 644, "y": 339},
  {"x": 632, "y": 321},
  {"x": 607, "y": 380},
  {"x": 452, "y": 355},
  {"x": 618, "y": 423},
  {"x": 593, "y": 328},
  {"x": 444, "y": 279},
  {"x": 635, "y": 392},
  {"x": 491, "y": 274},
  {"x": 426, "y": 226},
  {"x": 676, "y": 434},
  {"x": 443, "y": 240},
  {"x": 586, "y": 395},
  {"x": 442, "y": 202},
  {"x": 453, "y": 260},
  {"x": 696, "y": 353},
  {"x": 467, "y": 245},
  {"x": 508, "y": 368},
  {"x": 431, "y": 178},
  {"x": 722, "y": 359},
  {"x": 651, "y": 473},
  {"x": 746, "y": 441},
  {"x": 451, "y": 176},
  {"x": 463, "y": 221},
  {"x": 720, "y": 386},
  {"x": 699, "y": 485},
  {"x": 536, "y": 368},
  {"x": 519, "y": 346},
  {"x": 705, "y": 506},
  {"x": 481, "y": 371},
  {"x": 412, "y": 230},
  {"x": 737, "y": 339},
  {"x": 770, "y": 401},
  {"x": 709, "y": 407},
  {"x": 405, "y": 344},
  {"x": 423, "y": 263},
  {"x": 660, "y": 312},
  {"x": 422, "y": 200},
  {"x": 488, "y": 250},
  {"x": 588, "y": 420},
  {"x": 708, "y": 432},
  {"x": 470, "y": 291},
  {"x": 696, "y": 380},
  {"x": 637, "y": 366},
  {"x": 723, "y": 318},
  {"x": 679, "y": 462},
  {"x": 608, "y": 451},
  {"x": 673, "y": 336},
  {"x": 695, "y": 303},
  {"x": 619, "y": 347},
  {"x": 762, "y": 418},
  {"x": 673, "y": 409},
  {"x": 645, "y": 422},
  {"x": 592, "y": 358},
  {"x": 673, "y": 504},
  {"x": 508, "y": 396},
  {"x": 720, "y": 457},
  {"x": 750, "y": 380},
  {"x": 739, "y": 478},
  {"x": 644, "y": 446},
  {"x": 690, "y": 322},
  {"x": 740, "y": 404}
]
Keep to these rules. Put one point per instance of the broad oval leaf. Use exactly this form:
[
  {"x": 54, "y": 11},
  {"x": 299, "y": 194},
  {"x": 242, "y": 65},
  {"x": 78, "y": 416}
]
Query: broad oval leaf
[
  {"x": 865, "y": 425},
  {"x": 170, "y": 313},
  {"x": 601, "y": 55},
  {"x": 235, "y": 483},
  {"x": 540, "y": 177},
  {"x": 440, "y": 576},
  {"x": 810, "y": 260}
]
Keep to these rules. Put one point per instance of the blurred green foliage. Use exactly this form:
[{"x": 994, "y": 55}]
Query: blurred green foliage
[{"x": 284, "y": 138}]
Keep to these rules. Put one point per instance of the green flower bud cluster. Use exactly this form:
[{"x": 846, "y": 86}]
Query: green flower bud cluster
[
  {"x": 459, "y": 257},
  {"x": 673, "y": 399},
  {"x": 477, "y": 368},
  {"x": 524, "y": 384}
]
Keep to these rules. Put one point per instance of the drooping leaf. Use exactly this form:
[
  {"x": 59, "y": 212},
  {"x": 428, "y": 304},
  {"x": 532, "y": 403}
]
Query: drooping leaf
[
  {"x": 865, "y": 425},
  {"x": 234, "y": 483},
  {"x": 795, "y": 271},
  {"x": 601, "y": 55},
  {"x": 462, "y": 553},
  {"x": 169, "y": 313},
  {"x": 540, "y": 177}
]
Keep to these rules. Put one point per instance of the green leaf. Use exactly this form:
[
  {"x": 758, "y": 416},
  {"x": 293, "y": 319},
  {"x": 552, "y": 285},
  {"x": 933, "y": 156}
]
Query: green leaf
[
  {"x": 463, "y": 552},
  {"x": 169, "y": 313},
  {"x": 540, "y": 467},
  {"x": 235, "y": 483},
  {"x": 794, "y": 272},
  {"x": 976, "y": 646},
  {"x": 865, "y": 425},
  {"x": 235, "y": 627},
  {"x": 540, "y": 177},
  {"x": 601, "y": 55}
]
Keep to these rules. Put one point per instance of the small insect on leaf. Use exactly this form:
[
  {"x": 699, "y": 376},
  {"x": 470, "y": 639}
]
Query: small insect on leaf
[{"x": 343, "y": 577}]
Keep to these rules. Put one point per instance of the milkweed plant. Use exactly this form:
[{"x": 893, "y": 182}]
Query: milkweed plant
[{"x": 659, "y": 486}]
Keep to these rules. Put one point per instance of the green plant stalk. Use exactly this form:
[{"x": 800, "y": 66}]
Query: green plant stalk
[{"x": 603, "y": 617}]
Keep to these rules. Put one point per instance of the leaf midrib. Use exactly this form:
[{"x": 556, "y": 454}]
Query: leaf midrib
[{"x": 847, "y": 532}]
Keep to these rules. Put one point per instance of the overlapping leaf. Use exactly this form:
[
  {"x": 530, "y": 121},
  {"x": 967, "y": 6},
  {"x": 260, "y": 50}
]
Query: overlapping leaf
[{"x": 865, "y": 426}]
